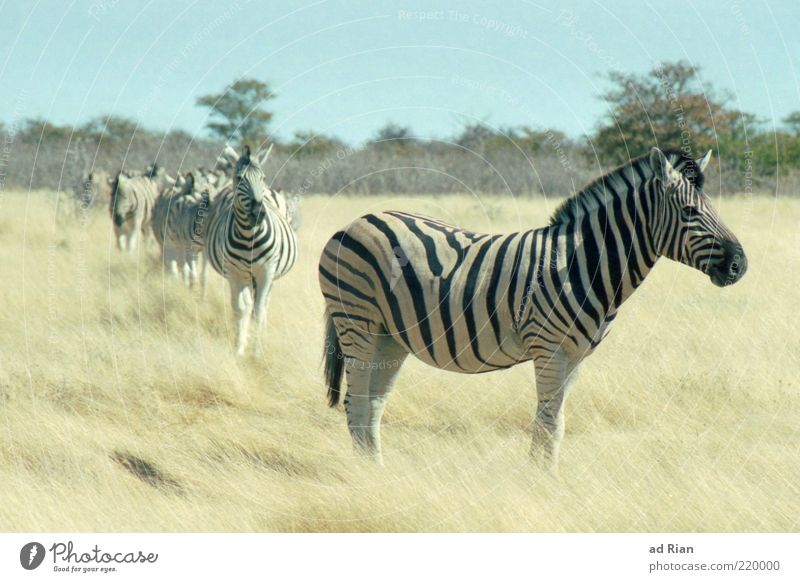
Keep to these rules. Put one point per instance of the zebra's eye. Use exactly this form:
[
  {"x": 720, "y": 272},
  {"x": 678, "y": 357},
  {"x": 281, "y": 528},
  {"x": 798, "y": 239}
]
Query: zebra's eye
[{"x": 689, "y": 213}]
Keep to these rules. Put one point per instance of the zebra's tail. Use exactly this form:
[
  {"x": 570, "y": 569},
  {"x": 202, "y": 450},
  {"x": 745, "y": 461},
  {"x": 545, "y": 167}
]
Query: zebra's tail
[{"x": 334, "y": 361}]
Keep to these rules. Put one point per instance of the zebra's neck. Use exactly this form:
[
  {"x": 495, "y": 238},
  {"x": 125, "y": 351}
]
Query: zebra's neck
[
  {"x": 587, "y": 267},
  {"x": 616, "y": 245},
  {"x": 241, "y": 222}
]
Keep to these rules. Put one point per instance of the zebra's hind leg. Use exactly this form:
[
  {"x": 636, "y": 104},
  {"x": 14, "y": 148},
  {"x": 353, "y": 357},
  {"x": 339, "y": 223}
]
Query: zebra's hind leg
[
  {"x": 371, "y": 362},
  {"x": 386, "y": 363},
  {"x": 554, "y": 375},
  {"x": 242, "y": 305}
]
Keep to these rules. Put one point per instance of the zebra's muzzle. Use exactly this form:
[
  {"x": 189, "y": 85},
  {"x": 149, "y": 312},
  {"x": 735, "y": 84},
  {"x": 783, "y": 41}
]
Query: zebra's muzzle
[{"x": 731, "y": 268}]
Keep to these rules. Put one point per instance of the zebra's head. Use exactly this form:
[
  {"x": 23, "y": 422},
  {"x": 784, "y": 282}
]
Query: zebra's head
[
  {"x": 121, "y": 201},
  {"x": 249, "y": 186},
  {"x": 687, "y": 228},
  {"x": 186, "y": 186}
]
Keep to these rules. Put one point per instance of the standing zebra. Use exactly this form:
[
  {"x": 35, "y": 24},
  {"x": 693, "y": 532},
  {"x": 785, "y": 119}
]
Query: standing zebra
[
  {"x": 250, "y": 242},
  {"x": 397, "y": 283},
  {"x": 94, "y": 190},
  {"x": 131, "y": 206},
  {"x": 179, "y": 227}
]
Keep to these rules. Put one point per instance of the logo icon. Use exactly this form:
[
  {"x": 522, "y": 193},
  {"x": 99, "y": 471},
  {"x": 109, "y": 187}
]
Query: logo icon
[
  {"x": 399, "y": 260},
  {"x": 31, "y": 555}
]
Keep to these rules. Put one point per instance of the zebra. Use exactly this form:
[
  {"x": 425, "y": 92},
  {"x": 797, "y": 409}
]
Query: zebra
[
  {"x": 95, "y": 189},
  {"x": 131, "y": 205},
  {"x": 396, "y": 283},
  {"x": 179, "y": 226},
  {"x": 214, "y": 179},
  {"x": 250, "y": 242}
]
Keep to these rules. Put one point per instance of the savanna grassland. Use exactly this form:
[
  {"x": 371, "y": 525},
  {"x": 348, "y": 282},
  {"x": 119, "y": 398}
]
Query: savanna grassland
[{"x": 123, "y": 407}]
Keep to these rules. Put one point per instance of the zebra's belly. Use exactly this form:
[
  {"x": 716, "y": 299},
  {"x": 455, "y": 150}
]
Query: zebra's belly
[
  {"x": 497, "y": 359},
  {"x": 461, "y": 343}
]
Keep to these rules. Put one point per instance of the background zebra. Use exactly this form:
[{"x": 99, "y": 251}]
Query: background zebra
[
  {"x": 397, "y": 283},
  {"x": 131, "y": 205},
  {"x": 179, "y": 227},
  {"x": 250, "y": 242},
  {"x": 212, "y": 180},
  {"x": 94, "y": 190}
]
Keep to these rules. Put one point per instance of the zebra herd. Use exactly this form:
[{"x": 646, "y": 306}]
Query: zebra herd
[
  {"x": 396, "y": 283},
  {"x": 237, "y": 224}
]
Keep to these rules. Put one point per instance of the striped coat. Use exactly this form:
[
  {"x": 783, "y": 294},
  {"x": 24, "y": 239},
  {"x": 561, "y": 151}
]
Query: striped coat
[
  {"x": 95, "y": 190},
  {"x": 131, "y": 207},
  {"x": 179, "y": 223},
  {"x": 396, "y": 283},
  {"x": 250, "y": 242}
]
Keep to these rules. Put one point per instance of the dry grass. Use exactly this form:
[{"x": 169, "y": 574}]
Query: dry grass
[{"x": 122, "y": 407}]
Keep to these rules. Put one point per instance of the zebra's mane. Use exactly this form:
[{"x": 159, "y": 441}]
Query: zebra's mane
[{"x": 597, "y": 193}]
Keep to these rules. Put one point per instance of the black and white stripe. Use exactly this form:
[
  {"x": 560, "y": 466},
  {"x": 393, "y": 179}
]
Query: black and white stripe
[
  {"x": 179, "y": 222},
  {"x": 250, "y": 242},
  {"x": 131, "y": 206},
  {"x": 396, "y": 284}
]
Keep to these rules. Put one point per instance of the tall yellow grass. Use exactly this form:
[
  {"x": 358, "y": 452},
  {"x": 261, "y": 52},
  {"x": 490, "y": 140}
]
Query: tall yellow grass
[{"x": 123, "y": 408}]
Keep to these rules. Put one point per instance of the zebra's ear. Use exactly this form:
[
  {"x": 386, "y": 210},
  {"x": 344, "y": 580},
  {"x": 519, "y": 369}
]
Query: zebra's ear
[
  {"x": 228, "y": 158},
  {"x": 661, "y": 166},
  {"x": 245, "y": 159},
  {"x": 702, "y": 163},
  {"x": 262, "y": 159}
]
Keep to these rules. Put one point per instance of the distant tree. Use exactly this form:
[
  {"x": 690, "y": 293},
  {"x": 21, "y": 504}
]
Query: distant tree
[
  {"x": 113, "y": 127},
  {"x": 473, "y": 136},
  {"x": 792, "y": 122},
  {"x": 393, "y": 135},
  {"x": 40, "y": 128},
  {"x": 308, "y": 143},
  {"x": 668, "y": 107},
  {"x": 238, "y": 112}
]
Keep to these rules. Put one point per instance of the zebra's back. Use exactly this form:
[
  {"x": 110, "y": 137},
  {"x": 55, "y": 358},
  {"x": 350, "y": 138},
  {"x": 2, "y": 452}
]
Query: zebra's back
[{"x": 450, "y": 296}]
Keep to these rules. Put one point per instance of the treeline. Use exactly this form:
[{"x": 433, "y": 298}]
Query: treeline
[
  {"x": 513, "y": 161},
  {"x": 669, "y": 107}
]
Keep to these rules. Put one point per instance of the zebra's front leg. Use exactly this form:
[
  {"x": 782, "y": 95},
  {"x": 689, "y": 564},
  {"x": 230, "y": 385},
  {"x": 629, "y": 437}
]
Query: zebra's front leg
[
  {"x": 170, "y": 260},
  {"x": 133, "y": 238},
  {"x": 194, "y": 274},
  {"x": 203, "y": 276},
  {"x": 122, "y": 240},
  {"x": 242, "y": 305},
  {"x": 186, "y": 267},
  {"x": 262, "y": 291},
  {"x": 554, "y": 375}
]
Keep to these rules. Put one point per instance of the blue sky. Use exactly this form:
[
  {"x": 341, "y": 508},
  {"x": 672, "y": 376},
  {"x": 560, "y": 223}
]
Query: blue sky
[{"x": 347, "y": 67}]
